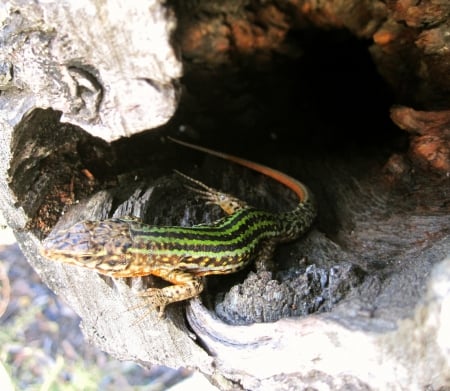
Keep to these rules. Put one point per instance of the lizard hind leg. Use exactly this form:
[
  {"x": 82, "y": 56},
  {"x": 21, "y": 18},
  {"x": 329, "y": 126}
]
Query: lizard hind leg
[
  {"x": 226, "y": 202},
  {"x": 264, "y": 257}
]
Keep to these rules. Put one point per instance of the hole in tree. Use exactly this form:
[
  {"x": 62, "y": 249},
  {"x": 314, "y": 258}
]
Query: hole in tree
[{"x": 329, "y": 98}]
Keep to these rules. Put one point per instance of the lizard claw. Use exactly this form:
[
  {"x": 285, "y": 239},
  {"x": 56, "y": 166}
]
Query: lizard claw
[
  {"x": 226, "y": 202},
  {"x": 156, "y": 299}
]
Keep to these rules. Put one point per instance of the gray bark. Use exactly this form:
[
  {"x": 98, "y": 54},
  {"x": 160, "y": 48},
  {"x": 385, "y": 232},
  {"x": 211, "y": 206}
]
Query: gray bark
[
  {"x": 111, "y": 76},
  {"x": 389, "y": 331}
]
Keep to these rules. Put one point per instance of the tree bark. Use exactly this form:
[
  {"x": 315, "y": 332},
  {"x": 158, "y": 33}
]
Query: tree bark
[{"x": 362, "y": 300}]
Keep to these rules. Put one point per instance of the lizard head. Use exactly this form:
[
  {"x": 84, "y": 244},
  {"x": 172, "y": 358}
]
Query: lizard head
[{"x": 99, "y": 245}]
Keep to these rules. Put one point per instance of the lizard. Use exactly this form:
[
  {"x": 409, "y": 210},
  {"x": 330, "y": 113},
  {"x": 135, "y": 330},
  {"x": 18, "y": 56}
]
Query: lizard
[{"x": 127, "y": 247}]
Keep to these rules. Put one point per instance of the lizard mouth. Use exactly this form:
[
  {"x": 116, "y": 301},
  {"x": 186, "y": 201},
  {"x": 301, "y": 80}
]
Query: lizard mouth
[{"x": 74, "y": 257}]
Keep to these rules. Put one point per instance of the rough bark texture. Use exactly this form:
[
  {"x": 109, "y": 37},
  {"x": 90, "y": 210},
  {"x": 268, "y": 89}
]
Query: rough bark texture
[
  {"x": 362, "y": 300},
  {"x": 108, "y": 67}
]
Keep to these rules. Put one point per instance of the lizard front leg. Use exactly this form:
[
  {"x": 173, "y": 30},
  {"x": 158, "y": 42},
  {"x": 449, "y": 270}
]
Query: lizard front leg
[
  {"x": 226, "y": 202},
  {"x": 185, "y": 287}
]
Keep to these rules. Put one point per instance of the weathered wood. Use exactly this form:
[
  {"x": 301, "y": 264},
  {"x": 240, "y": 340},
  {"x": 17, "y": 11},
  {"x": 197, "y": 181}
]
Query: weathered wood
[
  {"x": 107, "y": 66},
  {"x": 430, "y": 136},
  {"x": 386, "y": 215}
]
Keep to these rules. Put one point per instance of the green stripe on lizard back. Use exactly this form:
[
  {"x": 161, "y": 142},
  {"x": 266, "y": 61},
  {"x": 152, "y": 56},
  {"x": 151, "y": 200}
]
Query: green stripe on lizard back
[{"x": 231, "y": 242}]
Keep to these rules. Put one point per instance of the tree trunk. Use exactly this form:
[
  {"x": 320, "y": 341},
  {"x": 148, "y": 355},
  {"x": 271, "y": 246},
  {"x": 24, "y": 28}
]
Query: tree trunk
[{"x": 362, "y": 299}]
